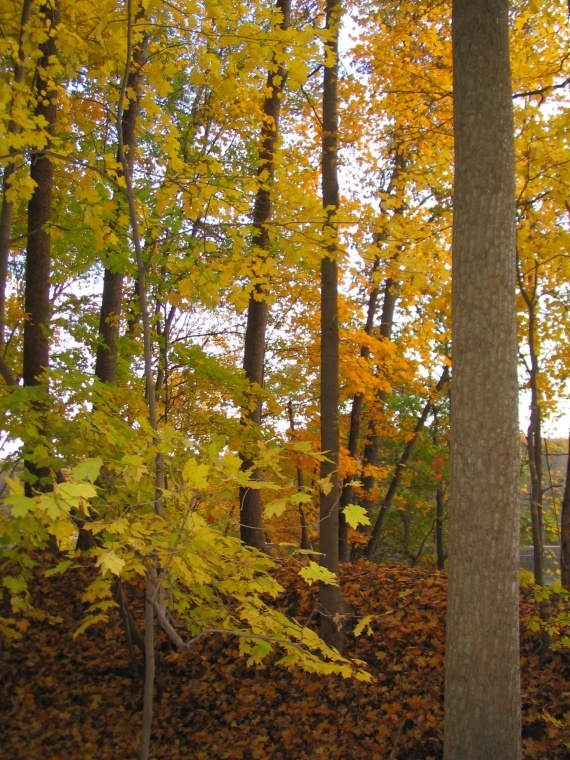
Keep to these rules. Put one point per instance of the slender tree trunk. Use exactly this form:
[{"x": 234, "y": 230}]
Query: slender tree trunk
[
  {"x": 7, "y": 208},
  {"x": 565, "y": 529},
  {"x": 112, "y": 300},
  {"x": 251, "y": 524},
  {"x": 332, "y": 607},
  {"x": 534, "y": 437},
  {"x": 439, "y": 513},
  {"x": 482, "y": 671},
  {"x": 305, "y": 541},
  {"x": 404, "y": 458},
  {"x": 348, "y": 495},
  {"x": 38, "y": 251},
  {"x": 372, "y": 446}
]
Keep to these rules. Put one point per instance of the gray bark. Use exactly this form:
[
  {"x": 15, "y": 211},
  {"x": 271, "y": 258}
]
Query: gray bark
[{"x": 482, "y": 678}]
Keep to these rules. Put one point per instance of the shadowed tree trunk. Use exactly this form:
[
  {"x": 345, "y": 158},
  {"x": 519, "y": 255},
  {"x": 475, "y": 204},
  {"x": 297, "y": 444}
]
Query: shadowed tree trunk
[
  {"x": 565, "y": 529},
  {"x": 348, "y": 495},
  {"x": 332, "y": 607},
  {"x": 38, "y": 248},
  {"x": 112, "y": 300},
  {"x": 405, "y": 456},
  {"x": 7, "y": 206},
  {"x": 305, "y": 541},
  {"x": 251, "y": 523},
  {"x": 372, "y": 447},
  {"x": 482, "y": 669}
]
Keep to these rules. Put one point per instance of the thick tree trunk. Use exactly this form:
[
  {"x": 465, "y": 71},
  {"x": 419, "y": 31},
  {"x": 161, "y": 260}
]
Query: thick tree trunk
[
  {"x": 332, "y": 607},
  {"x": 482, "y": 674},
  {"x": 251, "y": 524},
  {"x": 565, "y": 529},
  {"x": 38, "y": 250},
  {"x": 112, "y": 300}
]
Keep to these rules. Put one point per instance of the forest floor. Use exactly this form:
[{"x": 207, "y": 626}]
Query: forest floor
[{"x": 75, "y": 699}]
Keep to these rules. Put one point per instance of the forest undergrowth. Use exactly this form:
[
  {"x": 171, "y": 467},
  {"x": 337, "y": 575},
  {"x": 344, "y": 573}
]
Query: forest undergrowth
[{"x": 77, "y": 699}]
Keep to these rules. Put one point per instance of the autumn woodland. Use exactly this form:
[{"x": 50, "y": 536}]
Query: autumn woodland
[{"x": 284, "y": 315}]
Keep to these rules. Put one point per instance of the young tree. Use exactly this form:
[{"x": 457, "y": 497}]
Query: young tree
[{"x": 482, "y": 689}]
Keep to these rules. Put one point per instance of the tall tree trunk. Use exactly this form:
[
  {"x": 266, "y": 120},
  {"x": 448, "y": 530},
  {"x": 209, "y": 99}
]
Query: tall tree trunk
[
  {"x": 482, "y": 670},
  {"x": 112, "y": 300},
  {"x": 534, "y": 436},
  {"x": 7, "y": 205},
  {"x": 534, "y": 446},
  {"x": 332, "y": 620},
  {"x": 38, "y": 251},
  {"x": 565, "y": 529},
  {"x": 251, "y": 524},
  {"x": 404, "y": 458}
]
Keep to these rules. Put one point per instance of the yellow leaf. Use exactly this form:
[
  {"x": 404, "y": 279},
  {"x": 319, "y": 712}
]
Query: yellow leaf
[
  {"x": 355, "y": 515},
  {"x": 314, "y": 573}
]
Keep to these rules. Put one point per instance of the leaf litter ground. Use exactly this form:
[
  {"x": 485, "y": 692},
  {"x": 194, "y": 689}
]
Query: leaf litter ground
[{"x": 76, "y": 699}]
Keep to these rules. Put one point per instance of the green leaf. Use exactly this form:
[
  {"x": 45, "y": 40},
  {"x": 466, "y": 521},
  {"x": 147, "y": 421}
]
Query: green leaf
[
  {"x": 260, "y": 650},
  {"x": 58, "y": 569},
  {"x": 87, "y": 470},
  {"x": 15, "y": 583},
  {"x": 355, "y": 515},
  {"x": 314, "y": 573},
  {"x": 20, "y": 505}
]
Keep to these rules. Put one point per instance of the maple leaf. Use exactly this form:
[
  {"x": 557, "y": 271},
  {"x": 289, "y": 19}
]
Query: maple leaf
[
  {"x": 314, "y": 573},
  {"x": 355, "y": 515}
]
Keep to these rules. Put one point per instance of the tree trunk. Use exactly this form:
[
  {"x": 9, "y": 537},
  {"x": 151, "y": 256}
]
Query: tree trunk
[
  {"x": 439, "y": 513},
  {"x": 305, "y": 540},
  {"x": 348, "y": 495},
  {"x": 482, "y": 674},
  {"x": 38, "y": 251},
  {"x": 251, "y": 524},
  {"x": 112, "y": 300},
  {"x": 565, "y": 529},
  {"x": 405, "y": 456},
  {"x": 332, "y": 607},
  {"x": 7, "y": 205},
  {"x": 372, "y": 447}
]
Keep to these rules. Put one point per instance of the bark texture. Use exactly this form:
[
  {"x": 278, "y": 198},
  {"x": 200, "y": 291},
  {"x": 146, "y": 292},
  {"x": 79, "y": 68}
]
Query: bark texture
[
  {"x": 251, "y": 523},
  {"x": 482, "y": 682},
  {"x": 112, "y": 299},
  {"x": 6, "y": 211},
  {"x": 332, "y": 607},
  {"x": 565, "y": 529}
]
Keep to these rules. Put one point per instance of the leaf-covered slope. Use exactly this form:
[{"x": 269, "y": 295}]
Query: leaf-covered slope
[{"x": 76, "y": 699}]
